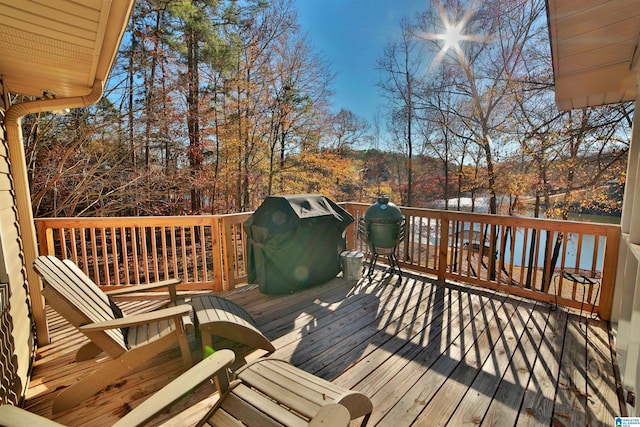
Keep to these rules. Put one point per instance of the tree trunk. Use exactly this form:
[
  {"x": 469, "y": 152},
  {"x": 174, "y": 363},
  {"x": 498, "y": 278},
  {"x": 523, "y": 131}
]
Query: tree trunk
[{"x": 193, "y": 114}]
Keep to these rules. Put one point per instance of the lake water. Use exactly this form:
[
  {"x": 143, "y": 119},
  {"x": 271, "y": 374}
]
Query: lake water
[{"x": 570, "y": 240}]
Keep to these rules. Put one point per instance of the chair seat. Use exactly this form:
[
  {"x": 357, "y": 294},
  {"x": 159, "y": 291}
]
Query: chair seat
[
  {"x": 299, "y": 390},
  {"x": 140, "y": 335}
]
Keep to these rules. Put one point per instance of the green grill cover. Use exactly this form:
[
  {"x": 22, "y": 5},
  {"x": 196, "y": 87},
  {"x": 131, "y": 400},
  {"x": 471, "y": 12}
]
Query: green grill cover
[{"x": 294, "y": 242}]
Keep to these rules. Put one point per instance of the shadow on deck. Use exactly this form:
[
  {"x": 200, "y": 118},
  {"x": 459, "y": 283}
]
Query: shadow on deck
[{"x": 426, "y": 353}]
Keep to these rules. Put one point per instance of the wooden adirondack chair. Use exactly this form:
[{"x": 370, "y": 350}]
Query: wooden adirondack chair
[
  {"x": 267, "y": 392},
  {"x": 129, "y": 340},
  {"x": 331, "y": 415}
]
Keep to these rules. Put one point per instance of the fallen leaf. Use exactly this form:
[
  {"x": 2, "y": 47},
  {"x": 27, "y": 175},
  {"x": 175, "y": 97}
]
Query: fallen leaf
[
  {"x": 532, "y": 413},
  {"x": 579, "y": 393}
]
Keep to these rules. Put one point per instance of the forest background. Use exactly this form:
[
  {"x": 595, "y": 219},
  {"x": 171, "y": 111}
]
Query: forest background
[{"x": 214, "y": 104}]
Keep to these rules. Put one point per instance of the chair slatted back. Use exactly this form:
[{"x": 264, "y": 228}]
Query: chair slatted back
[{"x": 70, "y": 292}]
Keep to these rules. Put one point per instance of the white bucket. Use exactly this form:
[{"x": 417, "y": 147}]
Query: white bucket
[{"x": 352, "y": 264}]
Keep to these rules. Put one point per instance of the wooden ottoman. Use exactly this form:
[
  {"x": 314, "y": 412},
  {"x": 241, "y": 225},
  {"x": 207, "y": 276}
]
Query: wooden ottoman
[{"x": 223, "y": 318}]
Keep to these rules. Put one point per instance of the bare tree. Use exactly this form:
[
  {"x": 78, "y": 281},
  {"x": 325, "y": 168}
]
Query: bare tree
[
  {"x": 487, "y": 44},
  {"x": 348, "y": 130},
  {"x": 401, "y": 68}
]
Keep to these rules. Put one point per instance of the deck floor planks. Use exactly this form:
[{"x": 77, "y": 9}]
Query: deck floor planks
[
  {"x": 393, "y": 403},
  {"x": 571, "y": 397},
  {"x": 285, "y": 317},
  {"x": 383, "y": 363},
  {"x": 601, "y": 382},
  {"x": 387, "y": 324},
  {"x": 501, "y": 367},
  {"x": 538, "y": 402},
  {"x": 392, "y": 333},
  {"x": 312, "y": 333},
  {"x": 401, "y": 345},
  {"x": 506, "y": 401},
  {"x": 477, "y": 356},
  {"x": 392, "y": 363}
]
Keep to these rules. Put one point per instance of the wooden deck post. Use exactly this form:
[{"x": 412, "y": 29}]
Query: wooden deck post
[{"x": 609, "y": 273}]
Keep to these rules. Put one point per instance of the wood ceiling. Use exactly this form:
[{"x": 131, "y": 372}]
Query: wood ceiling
[
  {"x": 59, "y": 46},
  {"x": 595, "y": 51}
]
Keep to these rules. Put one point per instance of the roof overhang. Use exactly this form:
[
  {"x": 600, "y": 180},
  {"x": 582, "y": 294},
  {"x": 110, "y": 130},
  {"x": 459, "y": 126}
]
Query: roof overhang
[
  {"x": 59, "y": 46},
  {"x": 595, "y": 49}
]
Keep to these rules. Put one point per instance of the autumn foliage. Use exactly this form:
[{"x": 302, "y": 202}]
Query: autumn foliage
[{"x": 213, "y": 105}]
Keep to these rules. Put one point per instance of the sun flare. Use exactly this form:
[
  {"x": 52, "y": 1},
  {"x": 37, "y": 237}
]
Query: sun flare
[{"x": 452, "y": 36}]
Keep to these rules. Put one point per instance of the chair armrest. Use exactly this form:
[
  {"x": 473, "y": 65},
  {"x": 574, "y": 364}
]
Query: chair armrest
[
  {"x": 12, "y": 416},
  {"x": 216, "y": 364},
  {"x": 169, "y": 283},
  {"x": 332, "y": 414},
  {"x": 138, "y": 319}
]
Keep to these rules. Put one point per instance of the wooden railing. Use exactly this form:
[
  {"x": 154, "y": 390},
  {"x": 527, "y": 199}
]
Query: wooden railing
[
  {"x": 521, "y": 256},
  {"x": 206, "y": 251},
  {"x": 517, "y": 255}
]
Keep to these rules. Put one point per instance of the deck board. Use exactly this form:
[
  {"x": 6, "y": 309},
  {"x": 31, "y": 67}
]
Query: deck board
[
  {"x": 571, "y": 396},
  {"x": 425, "y": 352},
  {"x": 507, "y": 398},
  {"x": 505, "y": 364},
  {"x": 601, "y": 381}
]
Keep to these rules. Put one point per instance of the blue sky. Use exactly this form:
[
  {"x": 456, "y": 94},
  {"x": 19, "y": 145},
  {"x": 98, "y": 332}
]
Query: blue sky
[{"x": 352, "y": 34}]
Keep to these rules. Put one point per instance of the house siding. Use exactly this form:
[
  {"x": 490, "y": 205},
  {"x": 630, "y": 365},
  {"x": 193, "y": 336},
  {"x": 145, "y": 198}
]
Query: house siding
[
  {"x": 625, "y": 316},
  {"x": 16, "y": 331}
]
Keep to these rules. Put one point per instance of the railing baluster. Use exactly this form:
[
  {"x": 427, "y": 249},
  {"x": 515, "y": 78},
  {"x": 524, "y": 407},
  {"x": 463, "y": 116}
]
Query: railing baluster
[
  {"x": 203, "y": 254},
  {"x": 512, "y": 257},
  {"x": 594, "y": 258},
  {"x": 154, "y": 253},
  {"x": 94, "y": 255},
  {"x": 125, "y": 255},
  {"x": 144, "y": 259},
  {"x": 83, "y": 250},
  {"x": 74, "y": 244},
  {"x": 165, "y": 255},
  {"x": 536, "y": 257},
  {"x": 63, "y": 243},
  {"x": 499, "y": 253},
  {"x": 218, "y": 253},
  {"x": 114, "y": 256},
  {"x": 105, "y": 256},
  {"x": 419, "y": 249},
  {"x": 174, "y": 252},
  {"x": 194, "y": 253},
  {"x": 183, "y": 242}
]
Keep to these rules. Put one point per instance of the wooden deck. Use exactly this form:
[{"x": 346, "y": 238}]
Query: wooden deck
[{"x": 426, "y": 353}]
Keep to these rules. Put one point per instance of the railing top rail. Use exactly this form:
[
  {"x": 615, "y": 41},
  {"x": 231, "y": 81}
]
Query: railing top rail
[
  {"x": 517, "y": 221},
  {"x": 129, "y": 221},
  {"x": 236, "y": 216}
]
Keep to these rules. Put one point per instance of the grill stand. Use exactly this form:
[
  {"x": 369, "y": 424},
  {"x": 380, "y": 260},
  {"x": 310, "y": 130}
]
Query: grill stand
[
  {"x": 364, "y": 235},
  {"x": 391, "y": 256}
]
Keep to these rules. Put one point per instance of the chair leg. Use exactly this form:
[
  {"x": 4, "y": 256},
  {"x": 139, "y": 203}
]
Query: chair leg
[
  {"x": 87, "y": 352},
  {"x": 185, "y": 349},
  {"x": 584, "y": 292}
]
